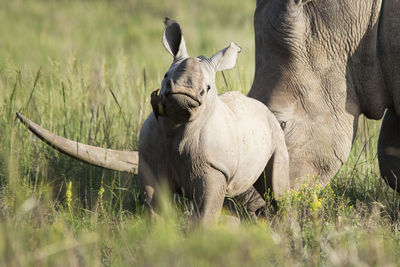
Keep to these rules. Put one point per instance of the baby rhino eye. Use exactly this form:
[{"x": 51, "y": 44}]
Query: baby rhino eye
[
  {"x": 168, "y": 84},
  {"x": 283, "y": 124}
]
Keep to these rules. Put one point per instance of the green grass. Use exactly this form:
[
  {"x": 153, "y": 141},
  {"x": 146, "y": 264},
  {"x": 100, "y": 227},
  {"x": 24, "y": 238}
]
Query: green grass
[{"x": 61, "y": 62}]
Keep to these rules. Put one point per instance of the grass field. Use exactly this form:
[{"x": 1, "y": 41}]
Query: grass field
[{"x": 85, "y": 70}]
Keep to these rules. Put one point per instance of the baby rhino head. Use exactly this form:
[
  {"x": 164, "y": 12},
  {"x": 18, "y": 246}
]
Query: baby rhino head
[{"x": 188, "y": 86}]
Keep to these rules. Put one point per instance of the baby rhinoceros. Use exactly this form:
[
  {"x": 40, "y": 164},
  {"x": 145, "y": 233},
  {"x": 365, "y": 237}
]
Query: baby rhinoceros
[{"x": 206, "y": 146}]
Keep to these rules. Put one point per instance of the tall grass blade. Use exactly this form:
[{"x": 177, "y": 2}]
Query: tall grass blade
[
  {"x": 11, "y": 101},
  {"x": 33, "y": 88}
]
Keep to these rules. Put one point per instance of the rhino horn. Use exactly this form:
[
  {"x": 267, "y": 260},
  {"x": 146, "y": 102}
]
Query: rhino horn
[{"x": 118, "y": 160}]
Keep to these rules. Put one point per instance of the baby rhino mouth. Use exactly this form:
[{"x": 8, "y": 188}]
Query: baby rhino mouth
[
  {"x": 180, "y": 104},
  {"x": 192, "y": 100},
  {"x": 177, "y": 104}
]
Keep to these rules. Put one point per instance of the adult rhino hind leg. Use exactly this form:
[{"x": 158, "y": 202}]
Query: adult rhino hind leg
[{"x": 389, "y": 150}]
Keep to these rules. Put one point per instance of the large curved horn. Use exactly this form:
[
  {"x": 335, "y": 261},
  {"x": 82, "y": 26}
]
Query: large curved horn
[{"x": 124, "y": 161}]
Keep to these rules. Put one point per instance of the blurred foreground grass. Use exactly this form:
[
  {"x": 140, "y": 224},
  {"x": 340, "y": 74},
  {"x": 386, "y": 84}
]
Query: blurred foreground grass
[{"x": 85, "y": 70}]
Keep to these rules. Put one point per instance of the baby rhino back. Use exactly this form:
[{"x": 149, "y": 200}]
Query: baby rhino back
[{"x": 257, "y": 128}]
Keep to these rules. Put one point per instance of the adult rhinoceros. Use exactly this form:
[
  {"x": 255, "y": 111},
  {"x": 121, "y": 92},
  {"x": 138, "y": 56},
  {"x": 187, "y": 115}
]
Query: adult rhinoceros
[{"x": 319, "y": 65}]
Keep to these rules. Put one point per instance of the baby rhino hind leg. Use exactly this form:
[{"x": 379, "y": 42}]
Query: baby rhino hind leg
[
  {"x": 275, "y": 178},
  {"x": 251, "y": 201}
]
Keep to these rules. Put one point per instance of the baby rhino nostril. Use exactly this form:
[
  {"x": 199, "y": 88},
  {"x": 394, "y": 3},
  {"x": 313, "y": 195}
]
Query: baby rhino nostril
[{"x": 202, "y": 92}]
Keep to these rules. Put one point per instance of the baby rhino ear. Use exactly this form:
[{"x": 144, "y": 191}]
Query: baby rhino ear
[
  {"x": 173, "y": 39},
  {"x": 226, "y": 58}
]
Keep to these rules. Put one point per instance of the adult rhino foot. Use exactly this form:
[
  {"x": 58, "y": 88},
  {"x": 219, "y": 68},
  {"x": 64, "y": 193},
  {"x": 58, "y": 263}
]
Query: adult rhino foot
[{"x": 389, "y": 150}]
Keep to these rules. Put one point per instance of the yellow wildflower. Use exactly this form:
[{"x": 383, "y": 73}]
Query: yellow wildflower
[
  {"x": 100, "y": 196},
  {"x": 315, "y": 204},
  {"x": 101, "y": 190},
  {"x": 68, "y": 194}
]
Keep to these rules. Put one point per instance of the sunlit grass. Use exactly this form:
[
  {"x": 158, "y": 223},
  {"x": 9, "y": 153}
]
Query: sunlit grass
[{"x": 85, "y": 70}]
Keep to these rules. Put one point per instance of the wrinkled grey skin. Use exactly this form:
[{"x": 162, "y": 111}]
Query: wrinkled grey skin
[
  {"x": 207, "y": 146},
  {"x": 319, "y": 65}
]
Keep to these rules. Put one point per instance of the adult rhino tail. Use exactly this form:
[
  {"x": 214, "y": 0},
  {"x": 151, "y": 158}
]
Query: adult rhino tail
[{"x": 118, "y": 160}]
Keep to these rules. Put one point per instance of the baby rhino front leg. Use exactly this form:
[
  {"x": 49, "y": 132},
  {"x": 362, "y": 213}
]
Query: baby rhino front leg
[{"x": 208, "y": 195}]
